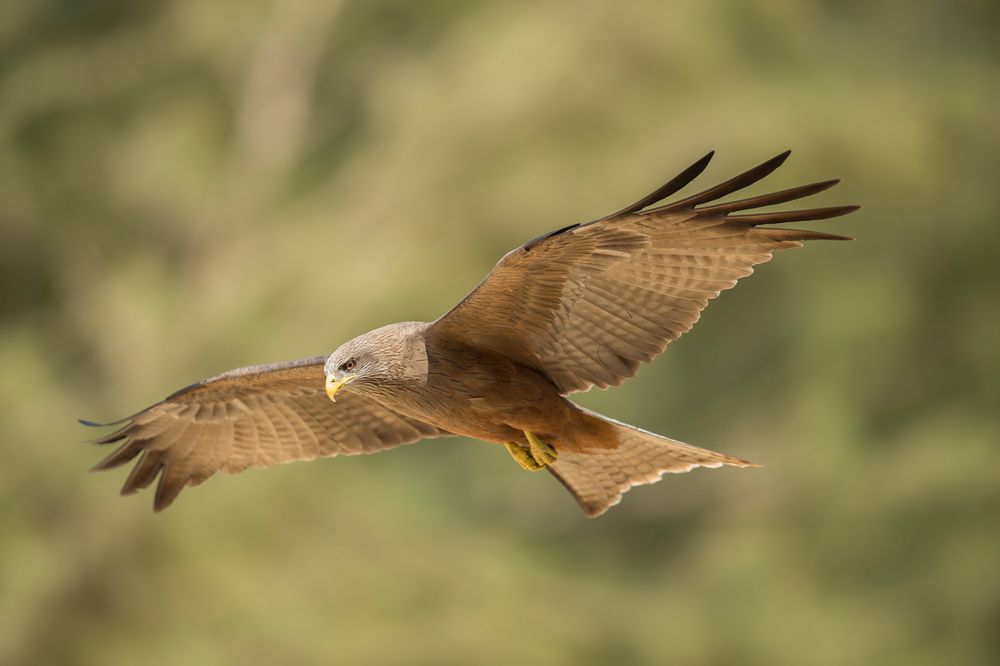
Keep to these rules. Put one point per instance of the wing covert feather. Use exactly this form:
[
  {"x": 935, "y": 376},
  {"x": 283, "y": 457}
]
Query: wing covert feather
[
  {"x": 258, "y": 416},
  {"x": 589, "y": 303}
]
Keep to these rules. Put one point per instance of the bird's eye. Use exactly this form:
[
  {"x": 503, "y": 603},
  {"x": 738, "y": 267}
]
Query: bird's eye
[{"x": 350, "y": 365}]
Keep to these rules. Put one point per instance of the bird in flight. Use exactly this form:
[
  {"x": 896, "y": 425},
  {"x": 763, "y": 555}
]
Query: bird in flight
[{"x": 579, "y": 307}]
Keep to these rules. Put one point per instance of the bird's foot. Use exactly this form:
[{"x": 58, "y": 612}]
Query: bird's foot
[
  {"x": 522, "y": 456},
  {"x": 543, "y": 453}
]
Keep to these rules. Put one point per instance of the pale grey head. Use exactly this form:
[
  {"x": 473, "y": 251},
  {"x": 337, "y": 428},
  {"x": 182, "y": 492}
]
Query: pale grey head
[{"x": 376, "y": 361}]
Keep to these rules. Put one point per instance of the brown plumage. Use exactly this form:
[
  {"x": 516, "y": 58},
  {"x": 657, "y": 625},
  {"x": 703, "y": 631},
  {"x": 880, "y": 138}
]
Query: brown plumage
[{"x": 580, "y": 307}]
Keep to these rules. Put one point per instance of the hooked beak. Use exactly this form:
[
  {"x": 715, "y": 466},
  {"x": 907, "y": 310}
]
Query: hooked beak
[{"x": 333, "y": 385}]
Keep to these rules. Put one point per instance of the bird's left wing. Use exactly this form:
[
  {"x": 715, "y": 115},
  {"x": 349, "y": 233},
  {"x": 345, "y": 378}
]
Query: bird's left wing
[
  {"x": 588, "y": 303},
  {"x": 251, "y": 417}
]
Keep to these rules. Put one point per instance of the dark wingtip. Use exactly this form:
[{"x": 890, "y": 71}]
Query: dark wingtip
[
  {"x": 835, "y": 211},
  {"x": 167, "y": 489},
  {"x": 820, "y": 235},
  {"x": 161, "y": 503},
  {"x": 672, "y": 186},
  {"x": 699, "y": 166},
  {"x": 769, "y": 166},
  {"x": 824, "y": 185},
  {"x": 795, "y": 235},
  {"x": 780, "y": 217},
  {"x": 784, "y": 196},
  {"x": 95, "y": 424},
  {"x": 115, "y": 435},
  {"x": 777, "y": 160},
  {"x": 544, "y": 237},
  {"x": 744, "y": 179}
]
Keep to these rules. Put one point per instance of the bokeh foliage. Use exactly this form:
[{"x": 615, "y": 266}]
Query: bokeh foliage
[{"x": 191, "y": 186}]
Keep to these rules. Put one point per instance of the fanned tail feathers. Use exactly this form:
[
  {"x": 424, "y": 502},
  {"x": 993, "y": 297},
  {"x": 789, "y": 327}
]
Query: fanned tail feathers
[{"x": 599, "y": 478}]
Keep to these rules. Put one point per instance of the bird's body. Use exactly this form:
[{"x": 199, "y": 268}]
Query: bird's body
[
  {"x": 479, "y": 394},
  {"x": 579, "y": 307}
]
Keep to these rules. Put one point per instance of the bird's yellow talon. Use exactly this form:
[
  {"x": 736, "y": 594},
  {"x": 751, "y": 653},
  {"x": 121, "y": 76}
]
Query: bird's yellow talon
[
  {"x": 470, "y": 371},
  {"x": 522, "y": 456},
  {"x": 543, "y": 453}
]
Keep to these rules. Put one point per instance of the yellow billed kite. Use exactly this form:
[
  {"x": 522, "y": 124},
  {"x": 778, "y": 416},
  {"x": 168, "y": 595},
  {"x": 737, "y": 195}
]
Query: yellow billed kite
[{"x": 582, "y": 306}]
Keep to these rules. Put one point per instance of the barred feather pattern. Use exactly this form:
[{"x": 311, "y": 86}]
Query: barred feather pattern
[
  {"x": 258, "y": 417},
  {"x": 588, "y": 304},
  {"x": 583, "y": 306},
  {"x": 597, "y": 480}
]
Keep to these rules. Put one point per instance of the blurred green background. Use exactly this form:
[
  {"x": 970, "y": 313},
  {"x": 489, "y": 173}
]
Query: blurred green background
[{"x": 187, "y": 187}]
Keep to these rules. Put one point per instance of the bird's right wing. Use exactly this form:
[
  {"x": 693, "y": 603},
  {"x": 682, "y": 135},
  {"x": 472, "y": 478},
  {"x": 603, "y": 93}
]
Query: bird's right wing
[
  {"x": 251, "y": 417},
  {"x": 588, "y": 303}
]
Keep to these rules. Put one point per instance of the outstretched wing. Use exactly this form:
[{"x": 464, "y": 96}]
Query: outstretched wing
[
  {"x": 588, "y": 303},
  {"x": 251, "y": 417}
]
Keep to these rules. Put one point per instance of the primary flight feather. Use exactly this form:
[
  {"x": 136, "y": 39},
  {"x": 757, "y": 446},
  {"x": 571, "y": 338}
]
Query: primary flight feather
[{"x": 579, "y": 307}]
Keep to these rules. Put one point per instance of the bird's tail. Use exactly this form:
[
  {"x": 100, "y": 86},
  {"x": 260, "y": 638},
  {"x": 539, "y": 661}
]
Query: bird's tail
[{"x": 599, "y": 477}]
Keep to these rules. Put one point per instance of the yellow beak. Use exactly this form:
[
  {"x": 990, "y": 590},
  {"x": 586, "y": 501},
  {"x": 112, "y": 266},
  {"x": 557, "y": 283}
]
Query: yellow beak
[{"x": 333, "y": 385}]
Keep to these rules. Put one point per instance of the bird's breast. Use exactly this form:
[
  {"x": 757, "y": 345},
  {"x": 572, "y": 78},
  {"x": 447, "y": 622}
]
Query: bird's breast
[{"x": 479, "y": 395}]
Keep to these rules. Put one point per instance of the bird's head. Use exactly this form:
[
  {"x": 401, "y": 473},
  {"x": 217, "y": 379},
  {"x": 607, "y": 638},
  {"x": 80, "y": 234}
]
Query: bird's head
[
  {"x": 356, "y": 361},
  {"x": 373, "y": 362}
]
